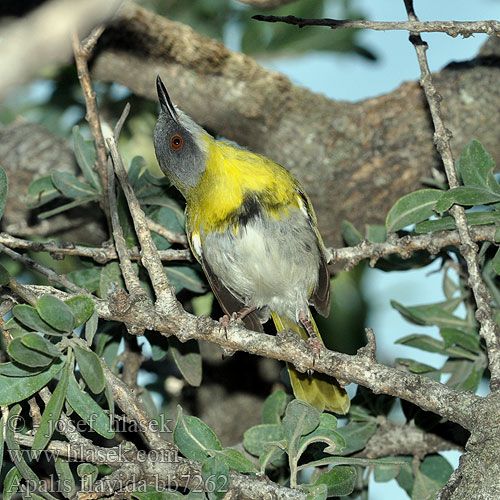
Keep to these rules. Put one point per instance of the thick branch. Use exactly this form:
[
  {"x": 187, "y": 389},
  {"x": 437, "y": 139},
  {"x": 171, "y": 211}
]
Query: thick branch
[
  {"x": 452, "y": 28},
  {"x": 457, "y": 406}
]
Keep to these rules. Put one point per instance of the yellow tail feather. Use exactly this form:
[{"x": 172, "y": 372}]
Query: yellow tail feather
[{"x": 319, "y": 390}]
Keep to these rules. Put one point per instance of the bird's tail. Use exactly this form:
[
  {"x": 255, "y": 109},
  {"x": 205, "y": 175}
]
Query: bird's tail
[{"x": 319, "y": 390}]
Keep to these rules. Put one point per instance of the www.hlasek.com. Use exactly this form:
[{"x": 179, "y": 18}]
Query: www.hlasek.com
[
  {"x": 82, "y": 453},
  {"x": 194, "y": 482}
]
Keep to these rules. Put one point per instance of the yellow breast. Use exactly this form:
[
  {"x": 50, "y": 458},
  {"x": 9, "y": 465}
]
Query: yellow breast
[{"x": 231, "y": 177}]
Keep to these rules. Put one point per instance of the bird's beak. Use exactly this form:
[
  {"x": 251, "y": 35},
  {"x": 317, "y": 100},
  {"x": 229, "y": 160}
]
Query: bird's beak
[{"x": 165, "y": 102}]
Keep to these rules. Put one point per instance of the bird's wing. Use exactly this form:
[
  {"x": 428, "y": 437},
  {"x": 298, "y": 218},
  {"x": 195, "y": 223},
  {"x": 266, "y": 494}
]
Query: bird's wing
[
  {"x": 320, "y": 297},
  {"x": 228, "y": 302}
]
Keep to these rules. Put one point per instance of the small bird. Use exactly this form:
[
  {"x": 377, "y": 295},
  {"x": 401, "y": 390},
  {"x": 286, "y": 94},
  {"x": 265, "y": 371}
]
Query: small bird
[{"x": 252, "y": 228}]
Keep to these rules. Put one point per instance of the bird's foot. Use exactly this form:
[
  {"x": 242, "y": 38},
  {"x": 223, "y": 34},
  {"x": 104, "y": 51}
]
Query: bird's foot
[
  {"x": 314, "y": 341},
  {"x": 226, "y": 320}
]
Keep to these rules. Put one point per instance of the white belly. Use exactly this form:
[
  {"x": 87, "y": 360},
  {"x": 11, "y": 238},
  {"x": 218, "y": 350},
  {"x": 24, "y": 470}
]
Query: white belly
[{"x": 267, "y": 263}]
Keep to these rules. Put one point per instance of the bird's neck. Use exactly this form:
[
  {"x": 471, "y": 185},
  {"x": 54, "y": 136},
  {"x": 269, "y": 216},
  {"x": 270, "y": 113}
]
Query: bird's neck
[{"x": 236, "y": 184}]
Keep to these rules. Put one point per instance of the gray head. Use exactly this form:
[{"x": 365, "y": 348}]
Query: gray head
[{"x": 179, "y": 144}]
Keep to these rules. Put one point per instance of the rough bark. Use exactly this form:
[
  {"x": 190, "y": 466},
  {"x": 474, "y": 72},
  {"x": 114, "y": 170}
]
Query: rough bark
[{"x": 354, "y": 159}]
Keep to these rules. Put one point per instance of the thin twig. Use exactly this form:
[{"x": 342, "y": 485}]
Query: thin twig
[
  {"x": 46, "y": 271},
  {"x": 433, "y": 243},
  {"x": 165, "y": 293},
  {"x": 101, "y": 255},
  {"x": 92, "y": 114},
  {"x": 488, "y": 328},
  {"x": 452, "y": 28},
  {"x": 130, "y": 277},
  {"x": 168, "y": 234}
]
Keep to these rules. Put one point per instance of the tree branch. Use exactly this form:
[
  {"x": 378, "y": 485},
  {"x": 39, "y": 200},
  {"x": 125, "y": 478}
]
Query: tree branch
[
  {"x": 488, "y": 328},
  {"x": 458, "y": 406},
  {"x": 165, "y": 292},
  {"x": 404, "y": 246},
  {"x": 101, "y": 255},
  {"x": 452, "y": 28}
]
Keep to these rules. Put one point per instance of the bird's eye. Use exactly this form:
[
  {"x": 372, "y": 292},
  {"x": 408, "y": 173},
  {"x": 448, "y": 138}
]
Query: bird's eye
[{"x": 176, "y": 142}]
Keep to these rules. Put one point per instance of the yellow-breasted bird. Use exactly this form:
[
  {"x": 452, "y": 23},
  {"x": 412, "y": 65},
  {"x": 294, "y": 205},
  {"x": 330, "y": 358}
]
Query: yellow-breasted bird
[{"x": 253, "y": 230}]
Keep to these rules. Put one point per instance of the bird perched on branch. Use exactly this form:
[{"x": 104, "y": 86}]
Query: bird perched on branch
[{"x": 253, "y": 229}]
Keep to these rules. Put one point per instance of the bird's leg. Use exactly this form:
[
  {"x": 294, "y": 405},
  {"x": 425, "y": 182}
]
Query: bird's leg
[
  {"x": 314, "y": 340},
  {"x": 235, "y": 316}
]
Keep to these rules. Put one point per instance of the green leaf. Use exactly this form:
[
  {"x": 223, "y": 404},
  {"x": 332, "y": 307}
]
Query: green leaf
[
  {"x": 215, "y": 474},
  {"x": 430, "y": 344},
  {"x": 67, "y": 206},
  {"x": 448, "y": 223},
  {"x": 185, "y": 277},
  {"x": 356, "y": 435},
  {"x": 11, "y": 483},
  {"x": 193, "y": 437},
  {"x": 17, "y": 389},
  {"x": 495, "y": 262},
  {"x": 89, "y": 410},
  {"x": 376, "y": 233},
  {"x": 29, "y": 316},
  {"x": 4, "y": 276},
  {"x": 51, "y": 413},
  {"x": 274, "y": 407},
  {"x": 412, "y": 208},
  {"x": 82, "y": 308},
  {"x": 385, "y": 472},
  {"x": 26, "y": 356},
  {"x": 70, "y": 186},
  {"x": 475, "y": 167},
  {"x": 255, "y": 438},
  {"x": 86, "y": 278},
  {"x": 405, "y": 477},
  {"x": 86, "y": 157},
  {"x": 351, "y": 235},
  {"x": 463, "y": 195},
  {"x": 56, "y": 313},
  {"x": 91, "y": 327},
  {"x": 88, "y": 474},
  {"x": 66, "y": 479},
  {"x": 110, "y": 277},
  {"x": 16, "y": 328},
  {"x": 432, "y": 314},
  {"x": 15, "y": 451},
  {"x": 90, "y": 368},
  {"x": 433, "y": 474},
  {"x": 465, "y": 375},
  {"x": 340, "y": 480},
  {"x": 420, "y": 368},
  {"x": 14, "y": 370},
  {"x": 40, "y": 192},
  {"x": 300, "y": 419},
  {"x": 453, "y": 336},
  {"x": 325, "y": 433},
  {"x": 40, "y": 344},
  {"x": 187, "y": 358},
  {"x": 235, "y": 460}
]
